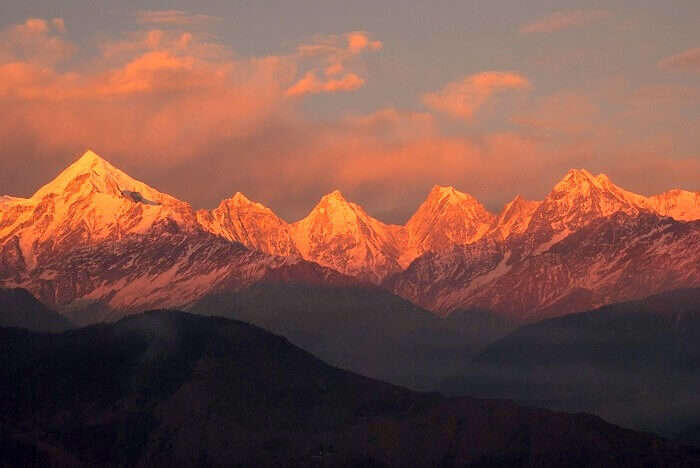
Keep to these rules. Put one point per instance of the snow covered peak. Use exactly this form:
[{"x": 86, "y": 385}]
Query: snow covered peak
[
  {"x": 449, "y": 194},
  {"x": 238, "y": 197},
  {"x": 334, "y": 213},
  {"x": 89, "y": 201},
  {"x": 90, "y": 158},
  {"x": 252, "y": 224},
  {"x": 446, "y": 218},
  {"x": 580, "y": 198},
  {"x": 241, "y": 201},
  {"x": 340, "y": 234},
  {"x": 333, "y": 197},
  {"x": 92, "y": 174},
  {"x": 334, "y": 210},
  {"x": 678, "y": 204},
  {"x": 577, "y": 179},
  {"x": 443, "y": 199},
  {"x": 516, "y": 216}
]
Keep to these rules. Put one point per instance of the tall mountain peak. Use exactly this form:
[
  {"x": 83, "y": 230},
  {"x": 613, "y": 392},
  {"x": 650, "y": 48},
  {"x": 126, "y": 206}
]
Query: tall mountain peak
[
  {"x": 89, "y": 201},
  {"x": 450, "y": 194},
  {"x": 579, "y": 198},
  {"x": 340, "y": 234},
  {"x": 678, "y": 204},
  {"x": 446, "y": 218},
  {"x": 250, "y": 223},
  {"x": 90, "y": 158},
  {"x": 577, "y": 179},
  {"x": 92, "y": 174},
  {"x": 240, "y": 200},
  {"x": 336, "y": 196},
  {"x": 516, "y": 216}
]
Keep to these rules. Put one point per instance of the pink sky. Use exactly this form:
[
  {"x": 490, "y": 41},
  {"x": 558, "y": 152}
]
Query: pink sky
[{"x": 172, "y": 101}]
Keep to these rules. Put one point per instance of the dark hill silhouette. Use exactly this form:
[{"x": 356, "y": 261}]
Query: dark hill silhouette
[
  {"x": 18, "y": 308},
  {"x": 634, "y": 363},
  {"x": 167, "y": 388},
  {"x": 363, "y": 328}
]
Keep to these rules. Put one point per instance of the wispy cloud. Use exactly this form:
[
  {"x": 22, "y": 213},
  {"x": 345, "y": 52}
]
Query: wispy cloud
[
  {"x": 36, "y": 40},
  {"x": 564, "y": 19},
  {"x": 172, "y": 17},
  {"x": 461, "y": 99},
  {"x": 311, "y": 84},
  {"x": 330, "y": 56},
  {"x": 686, "y": 60}
]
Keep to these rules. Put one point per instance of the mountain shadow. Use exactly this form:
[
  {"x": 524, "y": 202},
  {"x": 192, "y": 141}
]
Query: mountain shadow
[
  {"x": 167, "y": 388},
  {"x": 634, "y": 363},
  {"x": 363, "y": 328},
  {"x": 18, "y": 308}
]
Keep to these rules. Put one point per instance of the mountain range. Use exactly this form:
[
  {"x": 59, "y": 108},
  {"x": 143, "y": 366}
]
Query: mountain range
[{"x": 96, "y": 244}]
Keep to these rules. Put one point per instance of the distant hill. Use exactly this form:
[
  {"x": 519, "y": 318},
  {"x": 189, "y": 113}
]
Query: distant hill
[
  {"x": 172, "y": 389},
  {"x": 18, "y": 308},
  {"x": 362, "y": 328},
  {"x": 635, "y": 363},
  {"x": 662, "y": 331}
]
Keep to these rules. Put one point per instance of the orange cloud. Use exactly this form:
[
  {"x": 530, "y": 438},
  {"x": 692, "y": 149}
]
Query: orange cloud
[
  {"x": 59, "y": 25},
  {"x": 36, "y": 40},
  {"x": 686, "y": 60},
  {"x": 159, "y": 95},
  {"x": 564, "y": 19},
  {"x": 333, "y": 54},
  {"x": 310, "y": 84},
  {"x": 563, "y": 113},
  {"x": 460, "y": 99},
  {"x": 172, "y": 17},
  {"x": 358, "y": 41}
]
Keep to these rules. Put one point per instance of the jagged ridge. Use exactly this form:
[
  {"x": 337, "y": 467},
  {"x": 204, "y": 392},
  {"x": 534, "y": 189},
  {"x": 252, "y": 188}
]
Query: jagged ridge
[{"x": 94, "y": 207}]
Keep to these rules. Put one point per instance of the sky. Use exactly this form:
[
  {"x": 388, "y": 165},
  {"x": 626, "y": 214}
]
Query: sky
[{"x": 286, "y": 101}]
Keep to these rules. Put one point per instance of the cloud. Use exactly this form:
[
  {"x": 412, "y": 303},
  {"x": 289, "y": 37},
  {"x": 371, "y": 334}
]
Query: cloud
[
  {"x": 59, "y": 25},
  {"x": 687, "y": 60},
  {"x": 159, "y": 95},
  {"x": 564, "y": 113},
  {"x": 311, "y": 84},
  {"x": 172, "y": 18},
  {"x": 330, "y": 56},
  {"x": 358, "y": 41},
  {"x": 461, "y": 99},
  {"x": 195, "y": 119},
  {"x": 37, "y": 41},
  {"x": 564, "y": 19}
]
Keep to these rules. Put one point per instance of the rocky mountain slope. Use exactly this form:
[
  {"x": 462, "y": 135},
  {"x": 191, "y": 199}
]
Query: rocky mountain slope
[
  {"x": 96, "y": 244},
  {"x": 94, "y": 235},
  {"x": 588, "y": 243}
]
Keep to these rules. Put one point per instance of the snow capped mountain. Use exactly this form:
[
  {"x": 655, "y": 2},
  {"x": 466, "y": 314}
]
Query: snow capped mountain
[
  {"x": 515, "y": 217},
  {"x": 580, "y": 198},
  {"x": 612, "y": 259},
  {"x": 252, "y": 224},
  {"x": 89, "y": 201},
  {"x": 95, "y": 237},
  {"x": 678, "y": 204},
  {"x": 341, "y": 235},
  {"x": 446, "y": 218}
]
